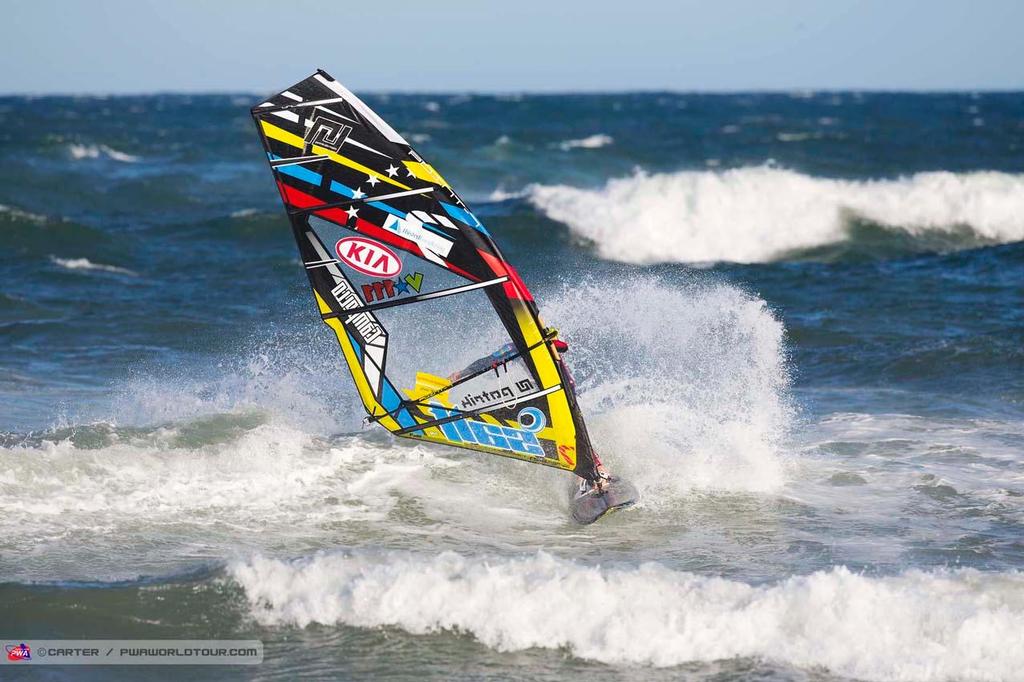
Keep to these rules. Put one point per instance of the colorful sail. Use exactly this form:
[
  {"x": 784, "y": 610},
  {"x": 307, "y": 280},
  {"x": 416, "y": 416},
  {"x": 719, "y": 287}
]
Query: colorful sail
[{"x": 406, "y": 275}]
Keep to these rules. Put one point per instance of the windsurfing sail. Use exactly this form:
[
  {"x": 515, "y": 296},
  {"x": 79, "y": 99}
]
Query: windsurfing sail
[{"x": 413, "y": 284}]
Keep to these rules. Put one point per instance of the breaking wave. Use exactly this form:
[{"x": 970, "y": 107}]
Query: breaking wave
[
  {"x": 913, "y": 626},
  {"x": 94, "y": 151},
  {"x": 247, "y": 442},
  {"x": 86, "y": 264},
  {"x": 98, "y": 498},
  {"x": 591, "y": 142},
  {"x": 763, "y": 214},
  {"x": 719, "y": 420},
  {"x": 13, "y": 213}
]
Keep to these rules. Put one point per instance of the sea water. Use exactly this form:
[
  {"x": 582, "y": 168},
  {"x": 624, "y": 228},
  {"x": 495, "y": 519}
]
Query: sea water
[{"x": 796, "y": 323}]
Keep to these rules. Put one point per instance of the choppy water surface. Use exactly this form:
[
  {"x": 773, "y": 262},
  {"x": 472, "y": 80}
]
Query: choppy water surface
[{"x": 796, "y": 323}]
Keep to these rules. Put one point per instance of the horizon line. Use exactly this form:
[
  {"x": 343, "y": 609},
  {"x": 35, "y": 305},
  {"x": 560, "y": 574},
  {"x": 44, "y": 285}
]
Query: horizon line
[{"x": 796, "y": 91}]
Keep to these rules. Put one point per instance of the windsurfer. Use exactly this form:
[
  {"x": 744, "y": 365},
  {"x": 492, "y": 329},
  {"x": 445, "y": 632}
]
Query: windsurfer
[
  {"x": 506, "y": 353},
  {"x": 601, "y": 482}
]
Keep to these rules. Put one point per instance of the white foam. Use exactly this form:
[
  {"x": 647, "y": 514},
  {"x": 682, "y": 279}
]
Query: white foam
[
  {"x": 915, "y": 626},
  {"x": 139, "y": 500},
  {"x": 156, "y": 476},
  {"x": 715, "y": 421},
  {"x": 752, "y": 215},
  {"x": 798, "y": 137},
  {"x": 209, "y": 456},
  {"x": 501, "y": 194},
  {"x": 86, "y": 264},
  {"x": 590, "y": 142},
  {"x": 93, "y": 151},
  {"x": 966, "y": 466},
  {"x": 23, "y": 215},
  {"x": 684, "y": 384}
]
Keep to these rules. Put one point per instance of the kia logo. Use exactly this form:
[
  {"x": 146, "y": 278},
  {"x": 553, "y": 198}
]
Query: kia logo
[{"x": 368, "y": 257}]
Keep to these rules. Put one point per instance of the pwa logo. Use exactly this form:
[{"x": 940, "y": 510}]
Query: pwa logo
[
  {"x": 387, "y": 288},
  {"x": 368, "y": 257},
  {"x": 18, "y": 652}
]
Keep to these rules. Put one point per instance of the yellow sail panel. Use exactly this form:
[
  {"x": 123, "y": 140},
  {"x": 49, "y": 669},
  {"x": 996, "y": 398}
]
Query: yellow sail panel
[{"x": 424, "y": 171}]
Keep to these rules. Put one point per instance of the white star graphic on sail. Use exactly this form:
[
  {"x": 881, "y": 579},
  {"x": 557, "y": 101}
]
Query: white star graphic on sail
[
  {"x": 372, "y": 179},
  {"x": 391, "y": 171},
  {"x": 358, "y": 194},
  {"x": 351, "y": 212}
]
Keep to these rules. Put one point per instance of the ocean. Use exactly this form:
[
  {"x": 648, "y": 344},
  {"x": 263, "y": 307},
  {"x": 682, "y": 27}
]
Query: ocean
[{"x": 796, "y": 322}]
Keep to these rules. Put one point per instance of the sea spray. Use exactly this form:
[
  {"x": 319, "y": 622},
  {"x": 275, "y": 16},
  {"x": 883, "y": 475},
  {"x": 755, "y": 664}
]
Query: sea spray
[
  {"x": 685, "y": 384},
  {"x": 292, "y": 377}
]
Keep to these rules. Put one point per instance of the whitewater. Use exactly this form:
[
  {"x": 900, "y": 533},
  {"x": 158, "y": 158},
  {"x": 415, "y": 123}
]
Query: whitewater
[
  {"x": 915, "y": 626},
  {"x": 764, "y": 214},
  {"x": 240, "y": 464}
]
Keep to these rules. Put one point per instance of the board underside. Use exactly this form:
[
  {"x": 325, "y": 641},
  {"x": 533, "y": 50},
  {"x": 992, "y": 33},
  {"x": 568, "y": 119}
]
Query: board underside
[{"x": 591, "y": 506}]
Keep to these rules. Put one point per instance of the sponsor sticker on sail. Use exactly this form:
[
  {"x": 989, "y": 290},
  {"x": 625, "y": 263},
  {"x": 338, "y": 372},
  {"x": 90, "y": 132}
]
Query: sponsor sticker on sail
[{"x": 368, "y": 257}]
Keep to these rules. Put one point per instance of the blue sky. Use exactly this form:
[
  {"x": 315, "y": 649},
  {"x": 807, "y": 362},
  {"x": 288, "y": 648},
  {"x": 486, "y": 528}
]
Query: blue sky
[{"x": 102, "y": 46}]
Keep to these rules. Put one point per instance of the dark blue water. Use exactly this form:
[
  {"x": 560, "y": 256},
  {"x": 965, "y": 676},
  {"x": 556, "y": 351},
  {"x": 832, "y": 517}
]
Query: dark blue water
[{"x": 797, "y": 322}]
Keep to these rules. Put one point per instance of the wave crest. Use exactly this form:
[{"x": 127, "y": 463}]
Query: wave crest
[
  {"x": 683, "y": 377},
  {"x": 94, "y": 151},
  {"x": 591, "y": 142},
  {"x": 763, "y": 214},
  {"x": 918, "y": 625},
  {"x": 86, "y": 264}
]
